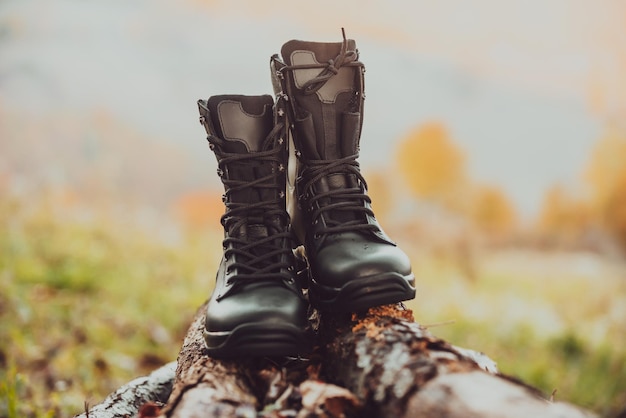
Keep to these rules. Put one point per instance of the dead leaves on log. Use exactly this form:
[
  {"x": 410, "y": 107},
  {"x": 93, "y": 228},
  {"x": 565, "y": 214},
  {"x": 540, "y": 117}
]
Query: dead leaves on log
[
  {"x": 384, "y": 357},
  {"x": 323, "y": 399}
]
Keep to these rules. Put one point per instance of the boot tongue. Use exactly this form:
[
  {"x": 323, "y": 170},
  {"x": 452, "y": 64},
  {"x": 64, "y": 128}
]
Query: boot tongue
[
  {"x": 333, "y": 129},
  {"x": 241, "y": 122}
]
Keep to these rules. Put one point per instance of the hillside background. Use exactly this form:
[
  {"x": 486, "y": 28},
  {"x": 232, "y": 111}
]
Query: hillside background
[{"x": 494, "y": 146}]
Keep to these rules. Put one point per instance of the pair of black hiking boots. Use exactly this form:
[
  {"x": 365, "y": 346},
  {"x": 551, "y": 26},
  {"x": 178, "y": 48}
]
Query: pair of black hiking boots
[{"x": 257, "y": 307}]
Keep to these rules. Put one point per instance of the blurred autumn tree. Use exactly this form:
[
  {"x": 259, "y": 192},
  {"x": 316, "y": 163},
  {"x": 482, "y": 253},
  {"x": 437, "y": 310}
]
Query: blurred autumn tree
[
  {"x": 491, "y": 211},
  {"x": 434, "y": 168},
  {"x": 378, "y": 188},
  {"x": 606, "y": 174},
  {"x": 563, "y": 217},
  {"x": 432, "y": 165}
]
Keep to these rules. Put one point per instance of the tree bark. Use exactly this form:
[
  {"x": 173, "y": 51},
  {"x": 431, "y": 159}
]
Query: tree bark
[
  {"x": 380, "y": 364},
  {"x": 128, "y": 399},
  {"x": 207, "y": 387},
  {"x": 396, "y": 368}
]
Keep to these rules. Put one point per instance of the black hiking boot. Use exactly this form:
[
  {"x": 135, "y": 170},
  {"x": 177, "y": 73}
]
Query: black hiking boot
[
  {"x": 257, "y": 307},
  {"x": 353, "y": 263}
]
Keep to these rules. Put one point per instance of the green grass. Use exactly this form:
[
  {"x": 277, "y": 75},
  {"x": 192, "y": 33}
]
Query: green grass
[
  {"x": 87, "y": 305},
  {"x": 556, "y": 321},
  {"x": 90, "y": 301}
]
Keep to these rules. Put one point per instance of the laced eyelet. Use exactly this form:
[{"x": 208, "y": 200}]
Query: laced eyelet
[
  {"x": 317, "y": 236},
  {"x": 290, "y": 280}
]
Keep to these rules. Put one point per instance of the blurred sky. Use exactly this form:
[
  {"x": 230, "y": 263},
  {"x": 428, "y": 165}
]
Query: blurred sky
[{"x": 525, "y": 87}]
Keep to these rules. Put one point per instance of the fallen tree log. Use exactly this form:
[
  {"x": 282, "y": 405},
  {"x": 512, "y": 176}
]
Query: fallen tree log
[
  {"x": 128, "y": 399},
  {"x": 396, "y": 368},
  {"x": 240, "y": 388},
  {"x": 380, "y": 364}
]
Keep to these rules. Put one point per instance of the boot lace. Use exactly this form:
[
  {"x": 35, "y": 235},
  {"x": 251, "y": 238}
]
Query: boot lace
[
  {"x": 256, "y": 257},
  {"x": 352, "y": 200}
]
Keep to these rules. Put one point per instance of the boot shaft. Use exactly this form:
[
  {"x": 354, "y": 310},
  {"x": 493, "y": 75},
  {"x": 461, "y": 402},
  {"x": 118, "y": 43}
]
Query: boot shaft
[
  {"x": 324, "y": 84},
  {"x": 250, "y": 154},
  {"x": 251, "y": 159}
]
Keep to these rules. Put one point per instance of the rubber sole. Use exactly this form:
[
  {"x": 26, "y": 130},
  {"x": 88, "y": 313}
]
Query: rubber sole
[
  {"x": 362, "y": 294},
  {"x": 258, "y": 340}
]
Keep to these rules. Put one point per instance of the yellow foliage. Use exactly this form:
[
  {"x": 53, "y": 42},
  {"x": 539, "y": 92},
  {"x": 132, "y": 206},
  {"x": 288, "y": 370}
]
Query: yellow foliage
[
  {"x": 492, "y": 211},
  {"x": 606, "y": 174},
  {"x": 432, "y": 164},
  {"x": 607, "y": 167},
  {"x": 563, "y": 215},
  {"x": 380, "y": 193},
  {"x": 614, "y": 213}
]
